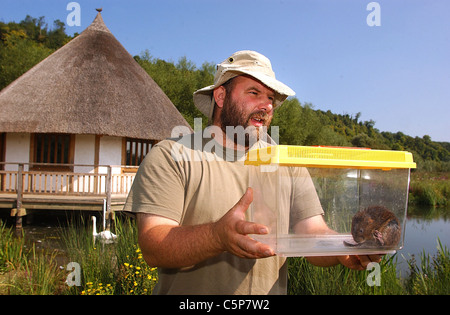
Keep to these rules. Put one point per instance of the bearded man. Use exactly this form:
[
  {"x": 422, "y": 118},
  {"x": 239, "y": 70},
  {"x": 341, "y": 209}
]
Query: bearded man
[{"x": 191, "y": 210}]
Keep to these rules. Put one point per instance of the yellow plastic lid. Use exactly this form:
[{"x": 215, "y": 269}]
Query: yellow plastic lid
[{"x": 331, "y": 157}]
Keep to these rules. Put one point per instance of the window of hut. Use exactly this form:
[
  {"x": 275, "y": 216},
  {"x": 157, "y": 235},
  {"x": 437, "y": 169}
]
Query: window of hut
[
  {"x": 52, "y": 151},
  {"x": 136, "y": 150}
]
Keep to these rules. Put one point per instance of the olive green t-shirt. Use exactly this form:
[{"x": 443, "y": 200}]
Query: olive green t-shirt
[{"x": 194, "y": 180}]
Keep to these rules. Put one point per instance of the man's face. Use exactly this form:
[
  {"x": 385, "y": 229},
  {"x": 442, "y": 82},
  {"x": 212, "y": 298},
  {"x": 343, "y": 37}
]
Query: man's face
[{"x": 250, "y": 105}]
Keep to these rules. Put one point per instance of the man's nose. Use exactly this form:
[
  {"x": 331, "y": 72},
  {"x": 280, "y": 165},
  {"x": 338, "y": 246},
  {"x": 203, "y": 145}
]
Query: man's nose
[{"x": 266, "y": 105}]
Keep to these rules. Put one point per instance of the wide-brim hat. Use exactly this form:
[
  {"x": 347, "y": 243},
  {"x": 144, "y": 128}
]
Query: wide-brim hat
[{"x": 246, "y": 62}]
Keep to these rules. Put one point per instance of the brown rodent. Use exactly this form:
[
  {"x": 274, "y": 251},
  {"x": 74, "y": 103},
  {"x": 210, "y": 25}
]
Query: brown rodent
[{"x": 375, "y": 226}]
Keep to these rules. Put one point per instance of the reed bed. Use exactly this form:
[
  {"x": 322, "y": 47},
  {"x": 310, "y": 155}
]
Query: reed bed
[
  {"x": 109, "y": 269},
  {"x": 118, "y": 268},
  {"x": 430, "y": 189},
  {"x": 307, "y": 279},
  {"x": 105, "y": 269},
  {"x": 26, "y": 271},
  {"x": 433, "y": 275}
]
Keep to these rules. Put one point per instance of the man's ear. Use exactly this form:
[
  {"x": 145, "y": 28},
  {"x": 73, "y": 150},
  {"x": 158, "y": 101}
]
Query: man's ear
[{"x": 219, "y": 94}]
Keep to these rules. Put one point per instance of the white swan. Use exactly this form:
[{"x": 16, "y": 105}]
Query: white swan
[{"x": 104, "y": 236}]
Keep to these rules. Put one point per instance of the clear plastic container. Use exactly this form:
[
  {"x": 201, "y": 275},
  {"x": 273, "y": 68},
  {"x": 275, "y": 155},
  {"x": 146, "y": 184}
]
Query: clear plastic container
[{"x": 294, "y": 186}]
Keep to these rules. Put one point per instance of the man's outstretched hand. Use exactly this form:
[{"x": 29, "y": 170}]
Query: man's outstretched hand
[{"x": 231, "y": 231}]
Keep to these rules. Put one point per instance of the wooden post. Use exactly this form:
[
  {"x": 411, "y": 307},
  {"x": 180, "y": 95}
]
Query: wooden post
[
  {"x": 19, "y": 196},
  {"x": 108, "y": 198}
]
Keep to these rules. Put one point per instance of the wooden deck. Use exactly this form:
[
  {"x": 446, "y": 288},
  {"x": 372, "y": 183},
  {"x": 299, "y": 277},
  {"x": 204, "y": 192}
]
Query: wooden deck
[
  {"x": 61, "y": 202},
  {"x": 23, "y": 188}
]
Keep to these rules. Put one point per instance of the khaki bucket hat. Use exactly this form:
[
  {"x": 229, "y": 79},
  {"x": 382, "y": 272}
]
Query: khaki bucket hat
[{"x": 246, "y": 62}]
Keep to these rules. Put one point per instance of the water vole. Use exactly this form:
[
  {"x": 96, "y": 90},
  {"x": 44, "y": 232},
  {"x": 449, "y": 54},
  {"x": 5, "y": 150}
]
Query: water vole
[{"x": 375, "y": 226}]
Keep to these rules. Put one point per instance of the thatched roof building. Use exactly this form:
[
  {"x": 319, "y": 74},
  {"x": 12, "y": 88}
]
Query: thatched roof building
[{"x": 92, "y": 85}]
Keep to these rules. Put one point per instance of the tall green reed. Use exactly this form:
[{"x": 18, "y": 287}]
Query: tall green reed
[
  {"x": 26, "y": 271},
  {"x": 11, "y": 248},
  {"x": 304, "y": 278},
  {"x": 116, "y": 268},
  {"x": 40, "y": 275},
  {"x": 432, "y": 276}
]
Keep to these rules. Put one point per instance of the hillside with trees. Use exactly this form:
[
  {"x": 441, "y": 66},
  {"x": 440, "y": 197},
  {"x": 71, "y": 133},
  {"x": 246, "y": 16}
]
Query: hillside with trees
[{"x": 26, "y": 43}]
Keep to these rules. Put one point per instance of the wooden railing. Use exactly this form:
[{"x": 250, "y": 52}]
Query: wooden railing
[{"x": 64, "y": 182}]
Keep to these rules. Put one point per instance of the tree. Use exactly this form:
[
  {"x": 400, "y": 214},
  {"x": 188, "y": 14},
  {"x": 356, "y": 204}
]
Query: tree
[
  {"x": 24, "y": 44},
  {"x": 179, "y": 81},
  {"x": 362, "y": 140},
  {"x": 18, "y": 54},
  {"x": 57, "y": 37}
]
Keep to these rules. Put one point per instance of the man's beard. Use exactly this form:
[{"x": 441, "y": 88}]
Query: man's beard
[{"x": 240, "y": 130}]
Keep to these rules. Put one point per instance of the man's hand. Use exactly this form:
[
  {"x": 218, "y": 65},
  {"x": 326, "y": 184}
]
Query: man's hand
[
  {"x": 359, "y": 262},
  {"x": 231, "y": 231}
]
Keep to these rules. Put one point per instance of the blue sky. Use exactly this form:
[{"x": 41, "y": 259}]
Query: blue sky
[{"x": 397, "y": 74}]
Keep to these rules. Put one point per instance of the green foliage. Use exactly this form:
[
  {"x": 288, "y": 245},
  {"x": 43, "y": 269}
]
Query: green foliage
[
  {"x": 107, "y": 269},
  {"x": 11, "y": 249},
  {"x": 298, "y": 124},
  {"x": 432, "y": 277},
  {"x": 25, "y": 271},
  {"x": 179, "y": 81},
  {"x": 24, "y": 44},
  {"x": 430, "y": 188},
  {"x": 306, "y": 279}
]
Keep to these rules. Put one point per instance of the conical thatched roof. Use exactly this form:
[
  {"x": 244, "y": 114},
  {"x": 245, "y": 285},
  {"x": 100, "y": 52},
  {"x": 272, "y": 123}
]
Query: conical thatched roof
[{"x": 92, "y": 85}]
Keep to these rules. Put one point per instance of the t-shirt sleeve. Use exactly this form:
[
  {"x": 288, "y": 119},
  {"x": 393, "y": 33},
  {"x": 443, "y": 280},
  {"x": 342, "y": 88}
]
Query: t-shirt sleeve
[
  {"x": 305, "y": 201},
  {"x": 158, "y": 187}
]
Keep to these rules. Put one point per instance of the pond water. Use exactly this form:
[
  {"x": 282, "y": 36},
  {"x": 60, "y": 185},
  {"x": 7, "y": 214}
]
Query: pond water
[{"x": 422, "y": 232}]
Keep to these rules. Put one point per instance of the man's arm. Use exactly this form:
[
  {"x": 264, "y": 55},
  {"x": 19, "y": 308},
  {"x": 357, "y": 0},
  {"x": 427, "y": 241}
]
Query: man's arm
[{"x": 164, "y": 243}]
